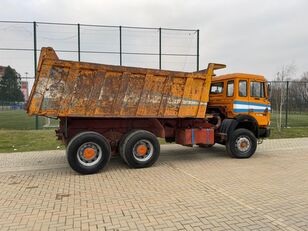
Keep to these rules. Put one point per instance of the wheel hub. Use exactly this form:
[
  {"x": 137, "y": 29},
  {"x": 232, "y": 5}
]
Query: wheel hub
[
  {"x": 89, "y": 153},
  {"x": 243, "y": 144},
  {"x": 142, "y": 150}
]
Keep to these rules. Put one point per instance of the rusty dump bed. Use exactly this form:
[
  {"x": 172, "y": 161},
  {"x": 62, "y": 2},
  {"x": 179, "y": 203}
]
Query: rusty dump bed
[{"x": 79, "y": 89}]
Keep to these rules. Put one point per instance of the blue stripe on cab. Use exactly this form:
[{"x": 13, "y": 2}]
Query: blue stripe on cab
[
  {"x": 251, "y": 104},
  {"x": 246, "y": 110}
]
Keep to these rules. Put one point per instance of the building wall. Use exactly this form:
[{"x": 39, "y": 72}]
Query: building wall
[{"x": 25, "y": 90}]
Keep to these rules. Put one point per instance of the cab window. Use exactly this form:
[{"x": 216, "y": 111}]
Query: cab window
[
  {"x": 217, "y": 88},
  {"x": 230, "y": 88},
  {"x": 242, "y": 88},
  {"x": 257, "y": 89}
]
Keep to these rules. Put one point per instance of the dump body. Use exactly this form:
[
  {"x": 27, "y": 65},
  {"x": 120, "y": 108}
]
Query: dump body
[{"x": 79, "y": 89}]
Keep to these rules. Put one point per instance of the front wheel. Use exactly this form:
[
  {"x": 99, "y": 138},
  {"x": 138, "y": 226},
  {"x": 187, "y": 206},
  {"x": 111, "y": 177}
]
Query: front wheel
[{"x": 242, "y": 143}]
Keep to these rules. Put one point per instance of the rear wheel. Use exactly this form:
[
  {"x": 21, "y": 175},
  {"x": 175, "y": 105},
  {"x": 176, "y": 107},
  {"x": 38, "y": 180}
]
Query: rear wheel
[
  {"x": 242, "y": 143},
  {"x": 121, "y": 144},
  {"x": 140, "y": 149},
  {"x": 88, "y": 152}
]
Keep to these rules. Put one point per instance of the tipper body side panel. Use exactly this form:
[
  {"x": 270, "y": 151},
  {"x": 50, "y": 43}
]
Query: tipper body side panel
[{"x": 79, "y": 89}]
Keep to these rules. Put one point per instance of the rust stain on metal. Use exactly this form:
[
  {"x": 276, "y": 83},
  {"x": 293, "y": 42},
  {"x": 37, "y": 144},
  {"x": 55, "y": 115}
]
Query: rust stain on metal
[{"x": 79, "y": 89}]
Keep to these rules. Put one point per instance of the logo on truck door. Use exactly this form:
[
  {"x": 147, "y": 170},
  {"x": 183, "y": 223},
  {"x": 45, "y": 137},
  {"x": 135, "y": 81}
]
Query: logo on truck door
[{"x": 242, "y": 106}]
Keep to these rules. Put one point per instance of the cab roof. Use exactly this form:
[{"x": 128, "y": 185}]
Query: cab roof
[{"x": 239, "y": 76}]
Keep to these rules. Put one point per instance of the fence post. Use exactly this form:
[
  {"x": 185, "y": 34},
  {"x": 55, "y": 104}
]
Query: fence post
[
  {"x": 197, "y": 50},
  {"x": 120, "y": 30},
  {"x": 159, "y": 48},
  {"x": 287, "y": 105},
  {"x": 78, "y": 31},
  {"x": 35, "y": 65}
]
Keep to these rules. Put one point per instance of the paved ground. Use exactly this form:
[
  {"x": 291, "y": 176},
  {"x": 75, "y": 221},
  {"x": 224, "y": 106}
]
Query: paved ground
[{"x": 191, "y": 189}]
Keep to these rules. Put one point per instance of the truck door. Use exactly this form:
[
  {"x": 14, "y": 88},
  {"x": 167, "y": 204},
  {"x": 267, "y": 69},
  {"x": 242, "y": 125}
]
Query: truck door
[
  {"x": 258, "y": 103},
  {"x": 241, "y": 104}
]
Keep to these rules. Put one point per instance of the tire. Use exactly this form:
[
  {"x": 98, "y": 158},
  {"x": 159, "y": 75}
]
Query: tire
[
  {"x": 148, "y": 145},
  {"x": 240, "y": 137},
  {"x": 227, "y": 126},
  {"x": 121, "y": 144},
  {"x": 205, "y": 145},
  {"x": 88, "y": 152}
]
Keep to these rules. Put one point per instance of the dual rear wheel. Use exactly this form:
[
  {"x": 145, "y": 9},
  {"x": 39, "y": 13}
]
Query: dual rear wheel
[
  {"x": 90, "y": 152},
  {"x": 139, "y": 148}
]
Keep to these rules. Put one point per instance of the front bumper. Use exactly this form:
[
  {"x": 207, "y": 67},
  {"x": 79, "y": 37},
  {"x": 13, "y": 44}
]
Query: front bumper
[{"x": 264, "y": 132}]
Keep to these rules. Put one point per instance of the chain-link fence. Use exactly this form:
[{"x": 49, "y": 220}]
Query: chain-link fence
[
  {"x": 160, "y": 48},
  {"x": 289, "y": 103}
]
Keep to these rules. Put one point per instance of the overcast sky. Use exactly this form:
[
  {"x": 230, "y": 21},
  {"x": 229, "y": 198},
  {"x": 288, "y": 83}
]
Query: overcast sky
[{"x": 253, "y": 36}]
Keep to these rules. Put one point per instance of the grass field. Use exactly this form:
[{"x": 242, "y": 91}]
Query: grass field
[
  {"x": 17, "y": 132},
  {"x": 19, "y": 120},
  {"x": 28, "y": 140},
  {"x": 294, "y": 119},
  {"x": 289, "y": 133}
]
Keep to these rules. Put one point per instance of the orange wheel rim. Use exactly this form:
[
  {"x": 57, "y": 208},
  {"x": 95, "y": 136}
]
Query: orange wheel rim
[
  {"x": 142, "y": 150},
  {"x": 89, "y": 153}
]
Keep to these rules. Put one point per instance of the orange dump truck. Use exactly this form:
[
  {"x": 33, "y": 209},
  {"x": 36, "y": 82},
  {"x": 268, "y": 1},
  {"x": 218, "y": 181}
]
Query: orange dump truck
[{"x": 105, "y": 109}]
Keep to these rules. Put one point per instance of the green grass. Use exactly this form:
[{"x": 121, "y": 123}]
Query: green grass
[
  {"x": 17, "y": 133},
  {"x": 289, "y": 133},
  {"x": 294, "y": 119},
  {"x": 19, "y": 120},
  {"x": 30, "y": 140}
]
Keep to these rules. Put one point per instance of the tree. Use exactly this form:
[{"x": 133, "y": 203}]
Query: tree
[
  {"x": 279, "y": 91},
  {"x": 10, "y": 86}
]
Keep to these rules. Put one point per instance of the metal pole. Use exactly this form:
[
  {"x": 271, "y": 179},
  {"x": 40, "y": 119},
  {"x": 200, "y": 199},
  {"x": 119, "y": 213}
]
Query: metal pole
[
  {"x": 159, "y": 48},
  {"x": 287, "y": 105},
  {"x": 120, "y": 28},
  {"x": 78, "y": 26},
  {"x": 197, "y": 50},
  {"x": 35, "y": 65}
]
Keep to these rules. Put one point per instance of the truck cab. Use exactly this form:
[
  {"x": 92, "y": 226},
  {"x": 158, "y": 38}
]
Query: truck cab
[{"x": 241, "y": 101}]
